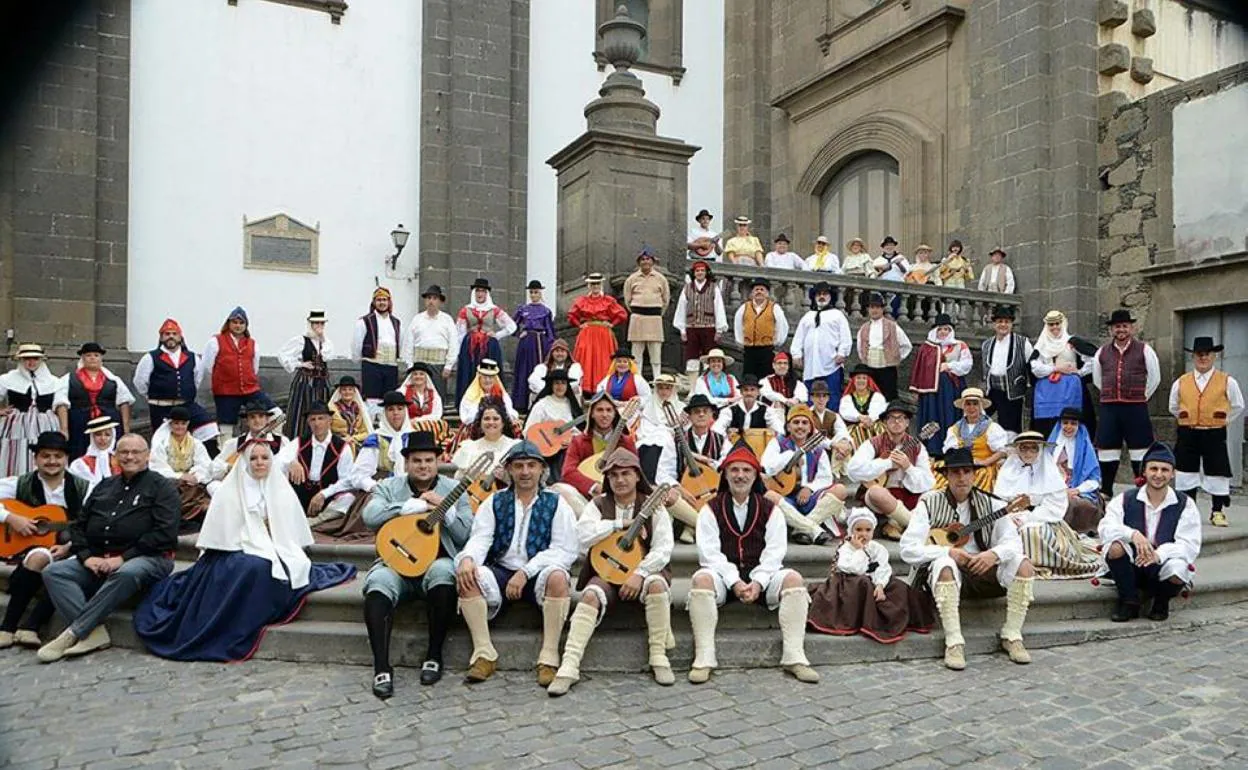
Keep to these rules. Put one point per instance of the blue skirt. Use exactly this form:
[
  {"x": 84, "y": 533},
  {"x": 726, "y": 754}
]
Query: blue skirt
[
  {"x": 466, "y": 364},
  {"x": 938, "y": 408},
  {"x": 220, "y": 608}
]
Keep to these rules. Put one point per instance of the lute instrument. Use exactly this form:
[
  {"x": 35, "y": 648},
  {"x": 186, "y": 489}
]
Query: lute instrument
[
  {"x": 270, "y": 428},
  {"x": 786, "y": 481},
  {"x": 926, "y": 432},
  {"x": 409, "y": 544},
  {"x": 591, "y": 466},
  {"x": 617, "y": 555},
  {"x": 48, "y": 520},
  {"x": 958, "y": 534},
  {"x": 700, "y": 480},
  {"x": 553, "y": 436}
]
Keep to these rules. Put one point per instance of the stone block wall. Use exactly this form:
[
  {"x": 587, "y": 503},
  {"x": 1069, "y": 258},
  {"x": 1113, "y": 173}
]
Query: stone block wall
[{"x": 64, "y": 153}]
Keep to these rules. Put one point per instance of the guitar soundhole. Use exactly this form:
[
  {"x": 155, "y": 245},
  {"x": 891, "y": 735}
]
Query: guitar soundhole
[
  {"x": 43, "y": 526},
  {"x": 425, "y": 527}
]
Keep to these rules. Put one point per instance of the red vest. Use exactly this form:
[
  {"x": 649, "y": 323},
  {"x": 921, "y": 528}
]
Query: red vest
[
  {"x": 1123, "y": 375},
  {"x": 234, "y": 371}
]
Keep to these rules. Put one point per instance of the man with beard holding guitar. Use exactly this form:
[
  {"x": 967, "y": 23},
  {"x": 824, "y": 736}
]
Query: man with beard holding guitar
[
  {"x": 625, "y": 491},
  {"x": 419, "y": 490},
  {"x": 894, "y": 469},
  {"x": 989, "y": 564}
]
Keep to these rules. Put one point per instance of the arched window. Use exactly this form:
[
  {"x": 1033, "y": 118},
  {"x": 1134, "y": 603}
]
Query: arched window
[{"x": 863, "y": 200}]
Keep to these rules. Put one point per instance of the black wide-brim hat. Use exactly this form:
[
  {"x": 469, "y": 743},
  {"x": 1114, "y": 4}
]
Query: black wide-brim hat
[
  {"x": 347, "y": 381},
  {"x": 557, "y": 375},
  {"x": 179, "y": 413},
  {"x": 1120, "y": 316},
  {"x": 420, "y": 441},
  {"x": 317, "y": 407},
  {"x": 254, "y": 407},
  {"x": 50, "y": 439},
  {"x": 1204, "y": 345},
  {"x": 434, "y": 290},
  {"x": 481, "y": 283},
  {"x": 393, "y": 398},
  {"x": 958, "y": 457},
  {"x": 91, "y": 347},
  {"x": 700, "y": 400},
  {"x": 421, "y": 366},
  {"x": 1070, "y": 413}
]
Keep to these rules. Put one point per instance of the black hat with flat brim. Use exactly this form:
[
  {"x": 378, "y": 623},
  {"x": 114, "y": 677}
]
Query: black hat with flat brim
[
  {"x": 698, "y": 401},
  {"x": 91, "y": 347},
  {"x": 347, "y": 381},
  {"x": 393, "y": 398},
  {"x": 434, "y": 290},
  {"x": 179, "y": 414},
  {"x": 862, "y": 369},
  {"x": 900, "y": 407},
  {"x": 317, "y": 407},
  {"x": 1204, "y": 345},
  {"x": 704, "y": 213},
  {"x": 254, "y": 407},
  {"x": 1083, "y": 347},
  {"x": 1003, "y": 311},
  {"x": 1120, "y": 316},
  {"x": 535, "y": 285},
  {"x": 557, "y": 375},
  {"x": 943, "y": 319},
  {"x": 420, "y": 366},
  {"x": 481, "y": 283},
  {"x": 749, "y": 381},
  {"x": 1070, "y": 413},
  {"x": 759, "y": 280},
  {"x": 420, "y": 441},
  {"x": 958, "y": 457},
  {"x": 50, "y": 439}
]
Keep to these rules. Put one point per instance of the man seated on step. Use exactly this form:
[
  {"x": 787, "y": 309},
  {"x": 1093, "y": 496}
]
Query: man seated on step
[
  {"x": 576, "y": 487},
  {"x": 120, "y": 544},
  {"x": 624, "y": 492},
  {"x": 1151, "y": 537},
  {"x": 742, "y": 539},
  {"x": 418, "y": 490},
  {"x": 988, "y": 565},
  {"x": 522, "y": 547},
  {"x": 178, "y": 455},
  {"x": 817, "y": 502},
  {"x": 749, "y": 412},
  {"x": 48, "y": 484},
  {"x": 380, "y": 454},
  {"x": 257, "y": 418},
  {"x": 319, "y": 466},
  {"x": 894, "y": 470}
]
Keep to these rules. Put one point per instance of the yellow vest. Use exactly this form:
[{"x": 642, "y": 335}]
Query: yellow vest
[
  {"x": 760, "y": 328},
  {"x": 1203, "y": 410}
]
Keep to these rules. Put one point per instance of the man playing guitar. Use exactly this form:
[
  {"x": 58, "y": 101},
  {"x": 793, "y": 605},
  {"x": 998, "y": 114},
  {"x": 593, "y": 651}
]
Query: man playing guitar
[
  {"x": 419, "y": 489},
  {"x": 990, "y": 564},
  {"x": 817, "y": 498},
  {"x": 624, "y": 492},
  {"x": 901, "y": 462},
  {"x": 576, "y": 487}
]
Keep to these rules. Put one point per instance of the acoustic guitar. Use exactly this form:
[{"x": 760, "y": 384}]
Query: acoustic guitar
[
  {"x": 591, "y": 466},
  {"x": 49, "y": 519},
  {"x": 789, "y": 478},
  {"x": 409, "y": 544},
  {"x": 617, "y": 555},
  {"x": 926, "y": 432},
  {"x": 483, "y": 486},
  {"x": 553, "y": 436},
  {"x": 700, "y": 480},
  {"x": 270, "y": 428},
  {"x": 958, "y": 534}
]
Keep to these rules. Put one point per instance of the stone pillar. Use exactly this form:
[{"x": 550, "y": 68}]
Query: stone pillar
[
  {"x": 620, "y": 184},
  {"x": 64, "y": 155},
  {"x": 748, "y": 116},
  {"x": 1033, "y": 174}
]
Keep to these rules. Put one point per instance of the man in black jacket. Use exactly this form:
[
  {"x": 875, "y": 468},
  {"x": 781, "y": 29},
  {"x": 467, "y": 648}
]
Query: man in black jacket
[{"x": 120, "y": 544}]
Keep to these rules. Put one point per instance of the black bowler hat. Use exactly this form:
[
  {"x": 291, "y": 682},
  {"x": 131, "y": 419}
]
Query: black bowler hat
[
  {"x": 704, "y": 213},
  {"x": 1003, "y": 311},
  {"x": 862, "y": 369},
  {"x": 1204, "y": 345},
  {"x": 481, "y": 283},
  {"x": 943, "y": 319},
  {"x": 1120, "y": 316},
  {"x": 557, "y": 375},
  {"x": 887, "y": 240},
  {"x": 393, "y": 398},
  {"x": 760, "y": 281},
  {"x": 420, "y": 441},
  {"x": 51, "y": 439},
  {"x": 535, "y": 284},
  {"x": 958, "y": 457},
  {"x": 434, "y": 290},
  {"x": 749, "y": 381},
  {"x": 347, "y": 381},
  {"x": 899, "y": 406},
  {"x": 179, "y": 413},
  {"x": 622, "y": 353},
  {"x": 317, "y": 407},
  {"x": 700, "y": 400},
  {"x": 91, "y": 347},
  {"x": 254, "y": 407},
  {"x": 420, "y": 366},
  {"x": 1070, "y": 413}
]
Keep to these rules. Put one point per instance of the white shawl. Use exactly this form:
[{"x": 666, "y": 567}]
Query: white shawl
[
  {"x": 20, "y": 380},
  {"x": 1016, "y": 478},
  {"x": 1051, "y": 347},
  {"x": 236, "y": 521}
]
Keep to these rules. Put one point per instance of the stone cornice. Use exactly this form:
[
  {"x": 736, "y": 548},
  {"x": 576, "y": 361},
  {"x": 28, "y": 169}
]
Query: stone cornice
[
  {"x": 624, "y": 143},
  {"x": 924, "y": 38},
  {"x": 1183, "y": 269},
  {"x": 335, "y": 8}
]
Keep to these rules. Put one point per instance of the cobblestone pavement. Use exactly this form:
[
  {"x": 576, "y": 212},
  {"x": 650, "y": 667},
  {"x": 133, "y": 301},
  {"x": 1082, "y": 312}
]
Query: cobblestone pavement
[{"x": 1177, "y": 700}]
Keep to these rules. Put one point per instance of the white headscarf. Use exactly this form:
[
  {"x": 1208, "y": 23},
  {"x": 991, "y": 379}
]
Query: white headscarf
[
  {"x": 236, "y": 521},
  {"x": 103, "y": 468},
  {"x": 21, "y": 380},
  {"x": 1051, "y": 347},
  {"x": 481, "y": 307},
  {"x": 949, "y": 341},
  {"x": 1042, "y": 478}
]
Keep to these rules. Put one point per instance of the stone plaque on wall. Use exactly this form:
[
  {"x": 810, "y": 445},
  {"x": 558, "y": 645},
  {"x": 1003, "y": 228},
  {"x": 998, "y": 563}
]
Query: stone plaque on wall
[{"x": 280, "y": 242}]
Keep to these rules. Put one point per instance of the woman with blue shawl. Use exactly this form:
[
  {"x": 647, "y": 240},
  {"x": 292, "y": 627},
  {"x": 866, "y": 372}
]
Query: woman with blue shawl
[
  {"x": 1076, "y": 457},
  {"x": 715, "y": 382}
]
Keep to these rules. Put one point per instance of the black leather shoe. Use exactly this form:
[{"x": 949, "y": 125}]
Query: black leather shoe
[
  {"x": 1124, "y": 611},
  {"x": 383, "y": 685},
  {"x": 1161, "y": 608},
  {"x": 430, "y": 672},
  {"x": 801, "y": 538}
]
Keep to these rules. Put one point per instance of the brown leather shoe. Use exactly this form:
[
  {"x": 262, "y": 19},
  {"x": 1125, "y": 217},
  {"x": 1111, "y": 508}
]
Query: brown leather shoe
[
  {"x": 890, "y": 531},
  {"x": 480, "y": 670},
  {"x": 545, "y": 674}
]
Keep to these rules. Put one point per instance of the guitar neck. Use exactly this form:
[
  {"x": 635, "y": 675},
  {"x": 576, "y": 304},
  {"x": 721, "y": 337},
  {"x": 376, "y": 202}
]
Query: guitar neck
[
  {"x": 569, "y": 425},
  {"x": 981, "y": 523},
  {"x": 644, "y": 513},
  {"x": 438, "y": 514}
]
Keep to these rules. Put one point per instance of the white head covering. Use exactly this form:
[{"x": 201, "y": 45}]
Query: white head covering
[
  {"x": 1016, "y": 478},
  {"x": 858, "y": 514},
  {"x": 1051, "y": 346},
  {"x": 236, "y": 521},
  {"x": 480, "y": 307},
  {"x": 21, "y": 380},
  {"x": 103, "y": 468},
  {"x": 951, "y": 340}
]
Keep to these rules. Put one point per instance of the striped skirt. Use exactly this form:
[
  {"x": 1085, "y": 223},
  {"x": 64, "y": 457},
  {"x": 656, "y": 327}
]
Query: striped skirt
[
  {"x": 305, "y": 390},
  {"x": 18, "y": 430},
  {"x": 1057, "y": 553},
  {"x": 860, "y": 434}
]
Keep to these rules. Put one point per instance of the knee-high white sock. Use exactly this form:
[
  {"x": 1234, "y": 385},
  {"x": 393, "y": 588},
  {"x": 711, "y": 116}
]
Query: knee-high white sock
[
  {"x": 580, "y": 629},
  {"x": 796, "y": 521},
  {"x": 794, "y": 603},
  {"x": 828, "y": 507},
  {"x": 476, "y": 617},
  {"x": 947, "y": 597},
  {"x": 658, "y": 627},
  {"x": 900, "y": 516},
  {"x": 703, "y": 616},
  {"x": 1017, "y": 599},
  {"x": 554, "y": 612}
]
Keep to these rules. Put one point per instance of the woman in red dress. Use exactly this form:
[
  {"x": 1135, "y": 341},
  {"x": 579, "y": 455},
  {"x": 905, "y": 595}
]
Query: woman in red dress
[{"x": 595, "y": 314}]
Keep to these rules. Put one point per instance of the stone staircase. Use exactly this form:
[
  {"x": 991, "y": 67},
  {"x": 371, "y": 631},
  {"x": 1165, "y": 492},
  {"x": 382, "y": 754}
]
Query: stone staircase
[{"x": 330, "y": 627}]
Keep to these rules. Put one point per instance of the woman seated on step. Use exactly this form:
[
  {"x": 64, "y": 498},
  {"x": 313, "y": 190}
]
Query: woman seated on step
[{"x": 252, "y": 572}]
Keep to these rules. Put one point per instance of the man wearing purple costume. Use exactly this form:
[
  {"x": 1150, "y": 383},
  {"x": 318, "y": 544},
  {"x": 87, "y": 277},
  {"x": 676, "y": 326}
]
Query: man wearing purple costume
[{"x": 535, "y": 328}]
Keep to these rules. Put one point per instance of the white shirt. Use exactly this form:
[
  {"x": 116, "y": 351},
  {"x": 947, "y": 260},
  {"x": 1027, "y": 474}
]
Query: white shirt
[
  {"x": 864, "y": 466},
  {"x": 777, "y": 313},
  {"x": 875, "y": 339},
  {"x": 8, "y": 491},
  {"x": 1233, "y": 394},
  {"x": 875, "y": 407},
  {"x": 698, "y": 232},
  {"x": 385, "y": 336},
  {"x": 789, "y": 260},
  {"x": 1151, "y": 367},
  {"x": 988, "y": 278},
  {"x": 143, "y": 369},
  {"x": 346, "y": 461},
  {"x": 548, "y": 409},
  {"x": 124, "y": 396},
  {"x": 774, "y": 459},
  {"x": 591, "y": 528},
  {"x": 468, "y": 408},
  {"x": 856, "y": 561},
  {"x": 212, "y": 348},
  {"x": 561, "y": 553},
  {"x": 1001, "y": 355},
  {"x": 201, "y": 463},
  {"x": 437, "y": 333},
  {"x": 680, "y": 318},
  {"x": 773, "y": 420},
  {"x": 711, "y": 555},
  {"x": 831, "y": 263},
  {"x": 1187, "y": 536},
  {"x": 698, "y": 443},
  {"x": 816, "y": 348},
  {"x": 290, "y": 356},
  {"x": 1004, "y": 539}
]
